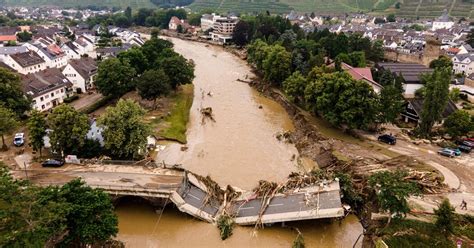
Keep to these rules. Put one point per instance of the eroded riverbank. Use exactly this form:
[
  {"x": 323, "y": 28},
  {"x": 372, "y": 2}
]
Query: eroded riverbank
[{"x": 239, "y": 148}]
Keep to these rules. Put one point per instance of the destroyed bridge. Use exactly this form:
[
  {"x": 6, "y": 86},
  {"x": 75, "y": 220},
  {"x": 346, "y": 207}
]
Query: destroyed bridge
[{"x": 204, "y": 199}]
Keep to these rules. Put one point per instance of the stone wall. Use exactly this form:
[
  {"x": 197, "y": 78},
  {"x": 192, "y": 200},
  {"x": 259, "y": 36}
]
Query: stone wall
[{"x": 432, "y": 51}]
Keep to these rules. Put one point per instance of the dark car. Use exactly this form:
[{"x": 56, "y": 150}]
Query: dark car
[
  {"x": 52, "y": 163},
  {"x": 389, "y": 139},
  {"x": 465, "y": 143},
  {"x": 466, "y": 149}
]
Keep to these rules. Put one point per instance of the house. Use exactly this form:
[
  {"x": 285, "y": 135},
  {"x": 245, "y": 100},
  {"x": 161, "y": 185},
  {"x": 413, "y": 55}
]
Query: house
[
  {"x": 410, "y": 72},
  {"x": 81, "y": 72},
  {"x": 442, "y": 22},
  {"x": 363, "y": 74},
  {"x": 71, "y": 50},
  {"x": 108, "y": 52},
  {"x": 463, "y": 63},
  {"x": 207, "y": 21},
  {"x": 175, "y": 22},
  {"x": 51, "y": 53},
  {"x": 414, "y": 107},
  {"x": 24, "y": 63},
  {"x": 466, "y": 48},
  {"x": 6, "y": 51},
  {"x": 47, "y": 88},
  {"x": 85, "y": 45},
  {"x": 4, "y": 39}
]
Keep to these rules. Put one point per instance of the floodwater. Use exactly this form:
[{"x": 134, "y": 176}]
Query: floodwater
[{"x": 238, "y": 148}]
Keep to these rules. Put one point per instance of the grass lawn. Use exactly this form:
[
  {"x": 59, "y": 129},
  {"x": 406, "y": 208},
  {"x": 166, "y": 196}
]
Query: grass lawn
[{"x": 174, "y": 125}]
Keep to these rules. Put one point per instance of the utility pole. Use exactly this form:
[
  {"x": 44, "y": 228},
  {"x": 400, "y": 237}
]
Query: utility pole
[{"x": 26, "y": 172}]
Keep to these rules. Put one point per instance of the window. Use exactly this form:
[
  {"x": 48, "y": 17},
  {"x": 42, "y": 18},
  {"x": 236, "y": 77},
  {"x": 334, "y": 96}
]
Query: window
[
  {"x": 41, "y": 98},
  {"x": 42, "y": 106},
  {"x": 62, "y": 90},
  {"x": 52, "y": 94}
]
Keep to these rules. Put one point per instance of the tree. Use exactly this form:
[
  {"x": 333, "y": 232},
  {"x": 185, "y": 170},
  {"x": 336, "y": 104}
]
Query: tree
[
  {"x": 180, "y": 29},
  {"x": 357, "y": 59},
  {"x": 124, "y": 131},
  {"x": 257, "y": 52},
  {"x": 442, "y": 62},
  {"x": 11, "y": 94},
  {"x": 128, "y": 13},
  {"x": 445, "y": 216},
  {"x": 342, "y": 100},
  {"x": 241, "y": 35},
  {"x": 391, "y": 97},
  {"x": 455, "y": 95},
  {"x": 153, "y": 47},
  {"x": 135, "y": 58},
  {"x": 114, "y": 77},
  {"x": 391, "y": 18},
  {"x": 8, "y": 123},
  {"x": 392, "y": 190},
  {"x": 37, "y": 129},
  {"x": 24, "y": 36},
  {"x": 179, "y": 70},
  {"x": 153, "y": 84},
  {"x": 277, "y": 64},
  {"x": 470, "y": 38},
  {"x": 294, "y": 87},
  {"x": 458, "y": 123},
  {"x": 340, "y": 58},
  {"x": 91, "y": 218},
  {"x": 436, "y": 98},
  {"x": 69, "y": 129},
  {"x": 288, "y": 39}
]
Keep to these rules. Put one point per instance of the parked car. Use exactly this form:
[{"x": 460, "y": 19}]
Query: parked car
[
  {"x": 19, "y": 139},
  {"x": 386, "y": 138},
  {"x": 447, "y": 152},
  {"x": 470, "y": 139},
  {"x": 457, "y": 152},
  {"x": 466, "y": 149},
  {"x": 52, "y": 163},
  {"x": 465, "y": 143}
]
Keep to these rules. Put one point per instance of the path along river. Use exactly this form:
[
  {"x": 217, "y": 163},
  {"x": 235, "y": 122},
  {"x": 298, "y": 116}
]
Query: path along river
[{"x": 239, "y": 149}]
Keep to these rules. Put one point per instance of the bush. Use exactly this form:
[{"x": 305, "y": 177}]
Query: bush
[
  {"x": 71, "y": 98},
  {"x": 445, "y": 217},
  {"x": 102, "y": 102}
]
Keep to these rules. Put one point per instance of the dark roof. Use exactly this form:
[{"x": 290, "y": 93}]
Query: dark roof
[
  {"x": 113, "y": 50},
  {"x": 417, "y": 104},
  {"x": 44, "y": 81},
  {"x": 27, "y": 59},
  {"x": 411, "y": 72},
  {"x": 8, "y": 30},
  {"x": 86, "y": 66}
]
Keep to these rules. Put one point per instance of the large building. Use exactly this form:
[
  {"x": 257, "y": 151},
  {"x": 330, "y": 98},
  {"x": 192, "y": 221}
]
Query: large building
[
  {"x": 410, "y": 72},
  {"x": 222, "y": 27},
  {"x": 26, "y": 62},
  {"x": 47, "y": 88},
  {"x": 81, "y": 72},
  {"x": 442, "y": 22}
]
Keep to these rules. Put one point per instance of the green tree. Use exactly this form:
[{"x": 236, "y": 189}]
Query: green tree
[
  {"x": 391, "y": 18},
  {"x": 128, "y": 13},
  {"x": 442, "y": 62},
  {"x": 458, "y": 123},
  {"x": 445, "y": 216},
  {"x": 179, "y": 70},
  {"x": 241, "y": 35},
  {"x": 11, "y": 94},
  {"x": 392, "y": 190},
  {"x": 153, "y": 84},
  {"x": 436, "y": 98},
  {"x": 135, "y": 58},
  {"x": 455, "y": 95},
  {"x": 124, "y": 131},
  {"x": 343, "y": 101},
  {"x": 180, "y": 29},
  {"x": 257, "y": 52},
  {"x": 91, "y": 218},
  {"x": 37, "y": 129},
  {"x": 376, "y": 53},
  {"x": 357, "y": 59},
  {"x": 341, "y": 58},
  {"x": 153, "y": 47},
  {"x": 24, "y": 36},
  {"x": 8, "y": 123},
  {"x": 470, "y": 38},
  {"x": 391, "y": 97},
  {"x": 69, "y": 129},
  {"x": 277, "y": 64},
  {"x": 294, "y": 87},
  {"x": 114, "y": 77}
]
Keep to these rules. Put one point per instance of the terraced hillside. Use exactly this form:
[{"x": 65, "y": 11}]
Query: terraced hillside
[
  {"x": 434, "y": 8},
  {"x": 76, "y": 3}
]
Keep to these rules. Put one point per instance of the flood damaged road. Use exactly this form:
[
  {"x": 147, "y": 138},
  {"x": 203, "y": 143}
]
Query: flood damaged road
[{"x": 239, "y": 148}]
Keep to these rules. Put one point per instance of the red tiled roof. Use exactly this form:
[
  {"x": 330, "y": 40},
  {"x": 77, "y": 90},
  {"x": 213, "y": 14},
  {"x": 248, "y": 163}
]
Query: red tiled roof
[
  {"x": 7, "y": 38},
  {"x": 363, "y": 73}
]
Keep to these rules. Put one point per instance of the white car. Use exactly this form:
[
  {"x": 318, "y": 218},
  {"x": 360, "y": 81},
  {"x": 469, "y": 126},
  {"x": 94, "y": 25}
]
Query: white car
[{"x": 19, "y": 139}]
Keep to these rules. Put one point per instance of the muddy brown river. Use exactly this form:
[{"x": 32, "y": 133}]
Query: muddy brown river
[{"x": 238, "y": 148}]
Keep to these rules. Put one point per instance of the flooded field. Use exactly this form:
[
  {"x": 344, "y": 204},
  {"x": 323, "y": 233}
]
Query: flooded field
[{"x": 238, "y": 148}]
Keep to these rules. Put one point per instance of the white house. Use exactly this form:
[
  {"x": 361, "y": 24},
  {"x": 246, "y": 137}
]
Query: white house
[
  {"x": 71, "y": 51},
  {"x": 442, "y": 22},
  {"x": 81, "y": 73},
  {"x": 6, "y": 51},
  {"x": 24, "y": 63},
  {"x": 52, "y": 54},
  {"x": 47, "y": 88},
  {"x": 463, "y": 63},
  {"x": 466, "y": 48},
  {"x": 85, "y": 45}
]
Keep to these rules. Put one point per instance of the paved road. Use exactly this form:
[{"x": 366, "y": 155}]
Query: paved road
[
  {"x": 195, "y": 197},
  {"x": 291, "y": 203}
]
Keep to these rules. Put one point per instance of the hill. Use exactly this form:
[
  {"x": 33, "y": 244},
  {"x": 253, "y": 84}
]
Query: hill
[{"x": 409, "y": 8}]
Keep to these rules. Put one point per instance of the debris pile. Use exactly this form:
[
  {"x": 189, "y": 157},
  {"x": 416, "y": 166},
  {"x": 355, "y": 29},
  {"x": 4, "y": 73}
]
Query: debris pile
[{"x": 207, "y": 113}]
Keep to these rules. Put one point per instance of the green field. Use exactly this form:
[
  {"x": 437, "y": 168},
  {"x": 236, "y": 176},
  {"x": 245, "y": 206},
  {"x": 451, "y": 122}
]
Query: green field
[{"x": 409, "y": 8}]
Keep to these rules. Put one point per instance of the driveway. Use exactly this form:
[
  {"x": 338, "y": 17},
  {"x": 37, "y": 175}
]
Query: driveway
[{"x": 85, "y": 100}]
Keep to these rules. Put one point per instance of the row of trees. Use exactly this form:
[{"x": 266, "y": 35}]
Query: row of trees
[
  {"x": 326, "y": 91},
  {"x": 153, "y": 69},
  {"x": 73, "y": 215},
  {"x": 123, "y": 130}
]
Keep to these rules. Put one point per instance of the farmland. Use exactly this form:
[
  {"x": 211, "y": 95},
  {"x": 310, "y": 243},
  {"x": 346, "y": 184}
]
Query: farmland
[
  {"x": 434, "y": 8},
  {"x": 74, "y": 3}
]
